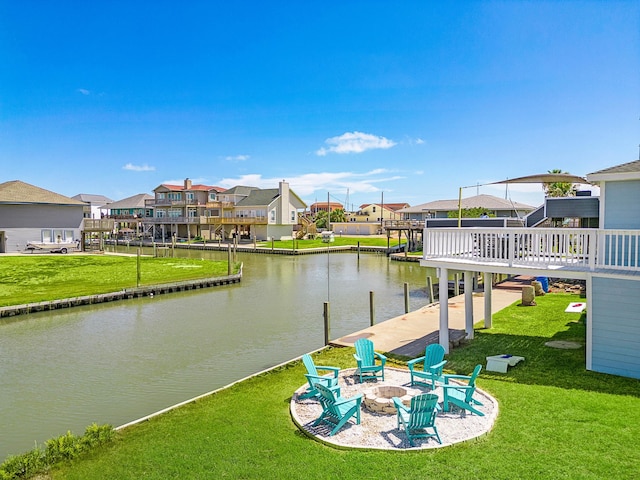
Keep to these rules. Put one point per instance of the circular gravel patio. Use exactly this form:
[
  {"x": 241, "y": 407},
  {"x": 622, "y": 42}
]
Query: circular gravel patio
[{"x": 379, "y": 431}]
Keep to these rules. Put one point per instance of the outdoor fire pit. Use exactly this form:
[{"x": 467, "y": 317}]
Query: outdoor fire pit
[{"x": 378, "y": 399}]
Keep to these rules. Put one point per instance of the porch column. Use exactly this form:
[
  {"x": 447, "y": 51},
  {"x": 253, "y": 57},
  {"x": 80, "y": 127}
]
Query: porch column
[
  {"x": 468, "y": 304},
  {"x": 589, "y": 346},
  {"x": 488, "y": 286},
  {"x": 443, "y": 298}
]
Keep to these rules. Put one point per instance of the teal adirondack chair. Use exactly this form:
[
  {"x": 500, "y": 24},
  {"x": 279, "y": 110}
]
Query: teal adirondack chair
[
  {"x": 462, "y": 395},
  {"x": 419, "y": 418},
  {"x": 366, "y": 357},
  {"x": 329, "y": 380},
  {"x": 337, "y": 410},
  {"x": 432, "y": 365}
]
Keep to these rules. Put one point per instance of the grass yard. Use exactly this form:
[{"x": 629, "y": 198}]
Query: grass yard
[
  {"x": 556, "y": 421},
  {"x": 27, "y": 279},
  {"x": 339, "y": 242}
]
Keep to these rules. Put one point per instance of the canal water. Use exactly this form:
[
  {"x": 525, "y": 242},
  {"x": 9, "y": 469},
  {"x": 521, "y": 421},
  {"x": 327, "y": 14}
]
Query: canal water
[{"x": 114, "y": 363}]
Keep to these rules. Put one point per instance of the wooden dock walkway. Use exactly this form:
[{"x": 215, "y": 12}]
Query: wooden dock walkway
[{"x": 409, "y": 334}]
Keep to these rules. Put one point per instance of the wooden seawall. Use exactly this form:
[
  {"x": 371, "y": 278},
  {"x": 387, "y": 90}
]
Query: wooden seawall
[{"x": 126, "y": 294}]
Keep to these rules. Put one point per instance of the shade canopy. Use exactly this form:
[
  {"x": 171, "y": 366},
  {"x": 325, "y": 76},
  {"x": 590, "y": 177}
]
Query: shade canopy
[{"x": 545, "y": 178}]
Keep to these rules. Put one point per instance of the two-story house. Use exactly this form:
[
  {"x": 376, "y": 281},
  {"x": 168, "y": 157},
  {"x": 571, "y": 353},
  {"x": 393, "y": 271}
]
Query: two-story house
[
  {"x": 179, "y": 210},
  {"x": 129, "y": 214},
  {"x": 607, "y": 258}
]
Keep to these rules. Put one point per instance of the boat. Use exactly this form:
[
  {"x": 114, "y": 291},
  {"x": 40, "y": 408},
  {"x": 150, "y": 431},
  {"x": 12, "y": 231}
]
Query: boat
[{"x": 52, "y": 247}]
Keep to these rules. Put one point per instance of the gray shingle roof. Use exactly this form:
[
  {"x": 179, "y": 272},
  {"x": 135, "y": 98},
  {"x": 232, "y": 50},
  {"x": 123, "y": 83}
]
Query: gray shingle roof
[
  {"x": 259, "y": 197},
  {"x": 16, "y": 191},
  {"x": 240, "y": 190},
  {"x": 135, "y": 201},
  {"x": 479, "y": 201},
  {"x": 92, "y": 199},
  {"x": 629, "y": 167}
]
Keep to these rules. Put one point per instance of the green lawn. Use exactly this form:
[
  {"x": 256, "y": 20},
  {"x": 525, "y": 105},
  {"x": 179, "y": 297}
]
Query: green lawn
[
  {"x": 36, "y": 278},
  {"x": 339, "y": 242},
  {"x": 556, "y": 420}
]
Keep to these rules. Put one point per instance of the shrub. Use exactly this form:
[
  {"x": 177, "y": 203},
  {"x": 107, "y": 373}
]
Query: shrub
[{"x": 62, "y": 448}]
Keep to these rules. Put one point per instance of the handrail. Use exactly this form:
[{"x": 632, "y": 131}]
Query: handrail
[{"x": 540, "y": 247}]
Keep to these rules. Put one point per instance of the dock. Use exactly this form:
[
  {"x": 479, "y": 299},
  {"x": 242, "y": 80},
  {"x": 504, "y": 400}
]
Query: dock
[{"x": 409, "y": 334}]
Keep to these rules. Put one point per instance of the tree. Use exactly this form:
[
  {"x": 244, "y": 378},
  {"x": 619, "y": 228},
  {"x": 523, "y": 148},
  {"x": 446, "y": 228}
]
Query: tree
[
  {"x": 474, "y": 212},
  {"x": 337, "y": 215},
  {"x": 559, "y": 189},
  {"x": 321, "y": 219}
]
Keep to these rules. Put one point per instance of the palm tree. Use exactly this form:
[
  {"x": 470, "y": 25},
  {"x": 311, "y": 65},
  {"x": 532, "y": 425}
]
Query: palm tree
[
  {"x": 559, "y": 189},
  {"x": 337, "y": 215}
]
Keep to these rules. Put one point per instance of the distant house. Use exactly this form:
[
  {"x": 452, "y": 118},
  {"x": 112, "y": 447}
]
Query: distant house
[
  {"x": 129, "y": 213},
  {"x": 494, "y": 206},
  {"x": 33, "y": 214},
  {"x": 316, "y": 207},
  {"x": 93, "y": 203},
  {"x": 607, "y": 258},
  {"x": 264, "y": 214},
  {"x": 376, "y": 213}
]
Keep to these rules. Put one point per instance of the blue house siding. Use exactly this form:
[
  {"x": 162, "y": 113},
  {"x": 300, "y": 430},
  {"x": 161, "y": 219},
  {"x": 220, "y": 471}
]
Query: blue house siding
[
  {"x": 615, "y": 324},
  {"x": 622, "y": 205}
]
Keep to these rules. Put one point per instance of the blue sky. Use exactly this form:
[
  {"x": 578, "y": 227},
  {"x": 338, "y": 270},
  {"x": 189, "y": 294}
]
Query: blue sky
[{"x": 361, "y": 100}]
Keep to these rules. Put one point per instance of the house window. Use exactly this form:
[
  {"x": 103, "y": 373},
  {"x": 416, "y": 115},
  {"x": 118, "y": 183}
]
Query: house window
[
  {"x": 189, "y": 196},
  {"x": 192, "y": 213},
  {"x": 273, "y": 216},
  {"x": 160, "y": 196},
  {"x": 212, "y": 196},
  {"x": 293, "y": 215},
  {"x": 175, "y": 213},
  {"x": 374, "y": 209},
  {"x": 161, "y": 213}
]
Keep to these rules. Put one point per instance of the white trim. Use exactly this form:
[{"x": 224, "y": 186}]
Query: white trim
[
  {"x": 589, "y": 346},
  {"x": 616, "y": 177}
]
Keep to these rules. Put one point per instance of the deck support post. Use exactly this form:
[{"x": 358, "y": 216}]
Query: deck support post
[
  {"x": 443, "y": 298},
  {"x": 468, "y": 304},
  {"x": 488, "y": 288}
]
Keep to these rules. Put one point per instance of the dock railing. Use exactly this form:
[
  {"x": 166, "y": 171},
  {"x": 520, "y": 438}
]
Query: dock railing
[{"x": 540, "y": 247}]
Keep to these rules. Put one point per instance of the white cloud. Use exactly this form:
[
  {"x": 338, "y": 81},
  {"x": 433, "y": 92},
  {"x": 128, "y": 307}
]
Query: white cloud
[
  {"x": 138, "y": 168},
  {"x": 309, "y": 184},
  {"x": 83, "y": 91},
  {"x": 237, "y": 158},
  {"x": 354, "y": 142}
]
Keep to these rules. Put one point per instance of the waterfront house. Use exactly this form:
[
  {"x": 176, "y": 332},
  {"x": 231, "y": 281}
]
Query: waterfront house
[
  {"x": 264, "y": 214},
  {"x": 493, "y": 206},
  {"x": 607, "y": 258},
  {"x": 93, "y": 204},
  {"x": 188, "y": 211},
  {"x": 128, "y": 215},
  {"x": 33, "y": 214},
  {"x": 180, "y": 210}
]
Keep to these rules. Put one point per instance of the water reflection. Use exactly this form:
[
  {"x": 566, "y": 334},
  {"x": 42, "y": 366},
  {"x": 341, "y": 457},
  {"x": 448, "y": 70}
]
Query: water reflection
[{"x": 112, "y": 363}]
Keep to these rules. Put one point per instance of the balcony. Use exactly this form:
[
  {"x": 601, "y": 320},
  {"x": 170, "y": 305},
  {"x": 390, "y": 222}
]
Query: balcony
[
  {"x": 568, "y": 249},
  {"x": 171, "y": 220},
  {"x": 260, "y": 220}
]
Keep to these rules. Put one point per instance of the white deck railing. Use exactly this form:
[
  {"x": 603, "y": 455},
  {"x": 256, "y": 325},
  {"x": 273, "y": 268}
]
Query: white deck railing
[{"x": 536, "y": 247}]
